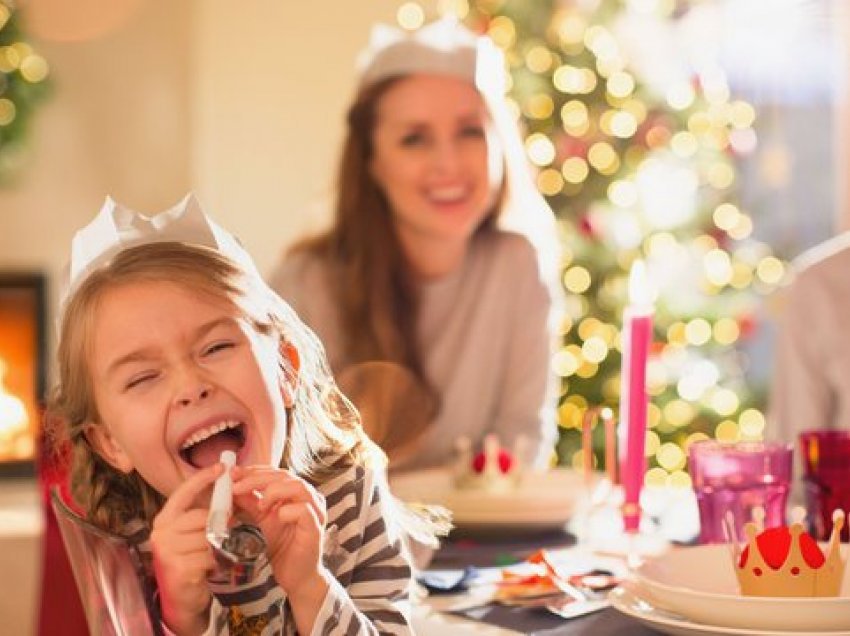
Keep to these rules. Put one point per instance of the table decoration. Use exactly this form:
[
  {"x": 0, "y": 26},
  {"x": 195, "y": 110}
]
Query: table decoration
[
  {"x": 632, "y": 603},
  {"x": 541, "y": 583},
  {"x": 786, "y": 561},
  {"x": 493, "y": 469},
  {"x": 490, "y": 491},
  {"x": 736, "y": 478},
  {"x": 699, "y": 583}
]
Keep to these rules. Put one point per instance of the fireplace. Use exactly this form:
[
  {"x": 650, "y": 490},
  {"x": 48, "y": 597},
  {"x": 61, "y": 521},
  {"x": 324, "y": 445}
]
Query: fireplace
[{"x": 22, "y": 369}]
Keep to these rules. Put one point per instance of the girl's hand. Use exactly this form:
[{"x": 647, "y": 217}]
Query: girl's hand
[
  {"x": 292, "y": 517},
  {"x": 182, "y": 557}
]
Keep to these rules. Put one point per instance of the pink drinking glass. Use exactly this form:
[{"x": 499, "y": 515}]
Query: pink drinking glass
[
  {"x": 826, "y": 478},
  {"x": 737, "y": 477}
]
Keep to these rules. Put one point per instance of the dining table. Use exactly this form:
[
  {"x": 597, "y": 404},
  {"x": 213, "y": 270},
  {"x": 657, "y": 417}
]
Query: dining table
[
  {"x": 436, "y": 614},
  {"x": 608, "y": 622}
]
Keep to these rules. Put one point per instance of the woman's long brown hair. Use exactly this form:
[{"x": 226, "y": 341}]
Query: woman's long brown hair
[{"x": 371, "y": 280}]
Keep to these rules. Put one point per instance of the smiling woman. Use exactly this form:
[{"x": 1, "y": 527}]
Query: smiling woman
[{"x": 439, "y": 274}]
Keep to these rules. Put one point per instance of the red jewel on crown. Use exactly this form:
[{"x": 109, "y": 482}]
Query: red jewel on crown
[
  {"x": 504, "y": 461},
  {"x": 786, "y": 561},
  {"x": 494, "y": 468}
]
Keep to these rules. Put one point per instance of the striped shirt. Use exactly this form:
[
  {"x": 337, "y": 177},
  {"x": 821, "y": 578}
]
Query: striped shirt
[{"x": 372, "y": 576}]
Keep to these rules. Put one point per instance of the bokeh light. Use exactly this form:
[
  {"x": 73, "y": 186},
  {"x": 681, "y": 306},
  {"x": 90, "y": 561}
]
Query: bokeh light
[
  {"x": 7, "y": 111},
  {"x": 575, "y": 170},
  {"x": 577, "y": 279},
  {"x": 640, "y": 166},
  {"x": 540, "y": 149},
  {"x": 538, "y": 59},
  {"x": 410, "y": 16}
]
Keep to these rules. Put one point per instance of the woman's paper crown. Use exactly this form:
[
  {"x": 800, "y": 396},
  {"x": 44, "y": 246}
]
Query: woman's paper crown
[
  {"x": 117, "y": 228},
  {"x": 443, "y": 47}
]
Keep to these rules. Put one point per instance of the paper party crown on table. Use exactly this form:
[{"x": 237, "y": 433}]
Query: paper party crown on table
[
  {"x": 786, "y": 561},
  {"x": 493, "y": 469}
]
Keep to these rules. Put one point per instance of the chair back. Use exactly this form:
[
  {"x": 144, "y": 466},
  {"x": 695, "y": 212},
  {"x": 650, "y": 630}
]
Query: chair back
[{"x": 116, "y": 596}]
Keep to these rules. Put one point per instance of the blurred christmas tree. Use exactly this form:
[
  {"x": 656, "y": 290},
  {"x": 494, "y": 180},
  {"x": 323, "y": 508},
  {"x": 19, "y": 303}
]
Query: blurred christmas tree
[
  {"x": 640, "y": 163},
  {"x": 23, "y": 75}
]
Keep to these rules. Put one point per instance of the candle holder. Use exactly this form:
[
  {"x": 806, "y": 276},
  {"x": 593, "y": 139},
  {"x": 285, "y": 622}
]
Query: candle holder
[
  {"x": 598, "y": 524},
  {"x": 591, "y": 417}
]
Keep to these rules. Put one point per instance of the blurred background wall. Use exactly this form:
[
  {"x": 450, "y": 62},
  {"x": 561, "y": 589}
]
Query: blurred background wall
[
  {"x": 244, "y": 107},
  {"x": 152, "y": 99}
]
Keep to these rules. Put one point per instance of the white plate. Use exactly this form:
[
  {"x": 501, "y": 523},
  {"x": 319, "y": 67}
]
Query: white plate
[
  {"x": 699, "y": 583},
  {"x": 632, "y": 604},
  {"x": 543, "y": 500}
]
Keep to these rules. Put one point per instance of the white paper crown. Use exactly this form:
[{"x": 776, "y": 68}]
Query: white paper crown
[
  {"x": 117, "y": 228},
  {"x": 443, "y": 47}
]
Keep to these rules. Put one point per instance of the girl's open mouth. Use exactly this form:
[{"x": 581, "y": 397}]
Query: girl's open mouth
[{"x": 204, "y": 447}]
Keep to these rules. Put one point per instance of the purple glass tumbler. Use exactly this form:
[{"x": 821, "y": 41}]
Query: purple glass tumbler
[
  {"x": 826, "y": 478},
  {"x": 738, "y": 477}
]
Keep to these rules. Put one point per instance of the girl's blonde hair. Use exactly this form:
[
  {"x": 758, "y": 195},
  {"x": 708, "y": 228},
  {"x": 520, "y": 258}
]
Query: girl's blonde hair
[{"x": 323, "y": 424}]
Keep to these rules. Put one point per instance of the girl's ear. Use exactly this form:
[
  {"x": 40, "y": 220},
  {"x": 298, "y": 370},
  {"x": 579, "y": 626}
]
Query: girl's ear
[
  {"x": 108, "y": 447},
  {"x": 290, "y": 380}
]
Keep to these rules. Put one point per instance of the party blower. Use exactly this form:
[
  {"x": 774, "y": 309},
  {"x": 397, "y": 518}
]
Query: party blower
[{"x": 240, "y": 551}]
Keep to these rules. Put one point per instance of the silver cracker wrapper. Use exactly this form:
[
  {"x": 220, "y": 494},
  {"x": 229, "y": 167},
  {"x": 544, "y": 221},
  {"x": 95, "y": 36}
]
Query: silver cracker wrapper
[
  {"x": 240, "y": 556},
  {"x": 240, "y": 552}
]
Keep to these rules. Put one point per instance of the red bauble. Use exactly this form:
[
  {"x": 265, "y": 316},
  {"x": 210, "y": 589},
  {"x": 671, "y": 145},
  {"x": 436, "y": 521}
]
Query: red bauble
[
  {"x": 568, "y": 146},
  {"x": 747, "y": 325},
  {"x": 585, "y": 226},
  {"x": 720, "y": 236}
]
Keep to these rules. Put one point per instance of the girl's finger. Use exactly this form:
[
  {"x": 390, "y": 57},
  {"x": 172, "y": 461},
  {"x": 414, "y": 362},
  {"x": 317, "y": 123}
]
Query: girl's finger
[
  {"x": 193, "y": 567},
  {"x": 186, "y": 493},
  {"x": 193, "y": 520},
  {"x": 300, "y": 514},
  {"x": 292, "y": 491},
  {"x": 240, "y": 472},
  {"x": 258, "y": 480},
  {"x": 314, "y": 500},
  {"x": 266, "y": 502},
  {"x": 182, "y": 543}
]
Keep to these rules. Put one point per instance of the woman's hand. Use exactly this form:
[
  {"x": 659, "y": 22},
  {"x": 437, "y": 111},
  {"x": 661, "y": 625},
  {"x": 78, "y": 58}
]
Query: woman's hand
[
  {"x": 292, "y": 517},
  {"x": 182, "y": 556}
]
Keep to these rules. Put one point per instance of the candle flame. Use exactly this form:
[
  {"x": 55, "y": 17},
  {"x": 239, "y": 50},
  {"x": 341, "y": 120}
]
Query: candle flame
[{"x": 640, "y": 289}]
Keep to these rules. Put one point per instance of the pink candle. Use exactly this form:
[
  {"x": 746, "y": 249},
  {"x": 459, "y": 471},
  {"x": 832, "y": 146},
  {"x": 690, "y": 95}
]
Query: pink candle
[{"x": 635, "y": 340}]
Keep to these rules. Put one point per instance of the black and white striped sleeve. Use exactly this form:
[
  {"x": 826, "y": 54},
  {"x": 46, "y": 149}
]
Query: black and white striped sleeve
[{"x": 371, "y": 588}]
